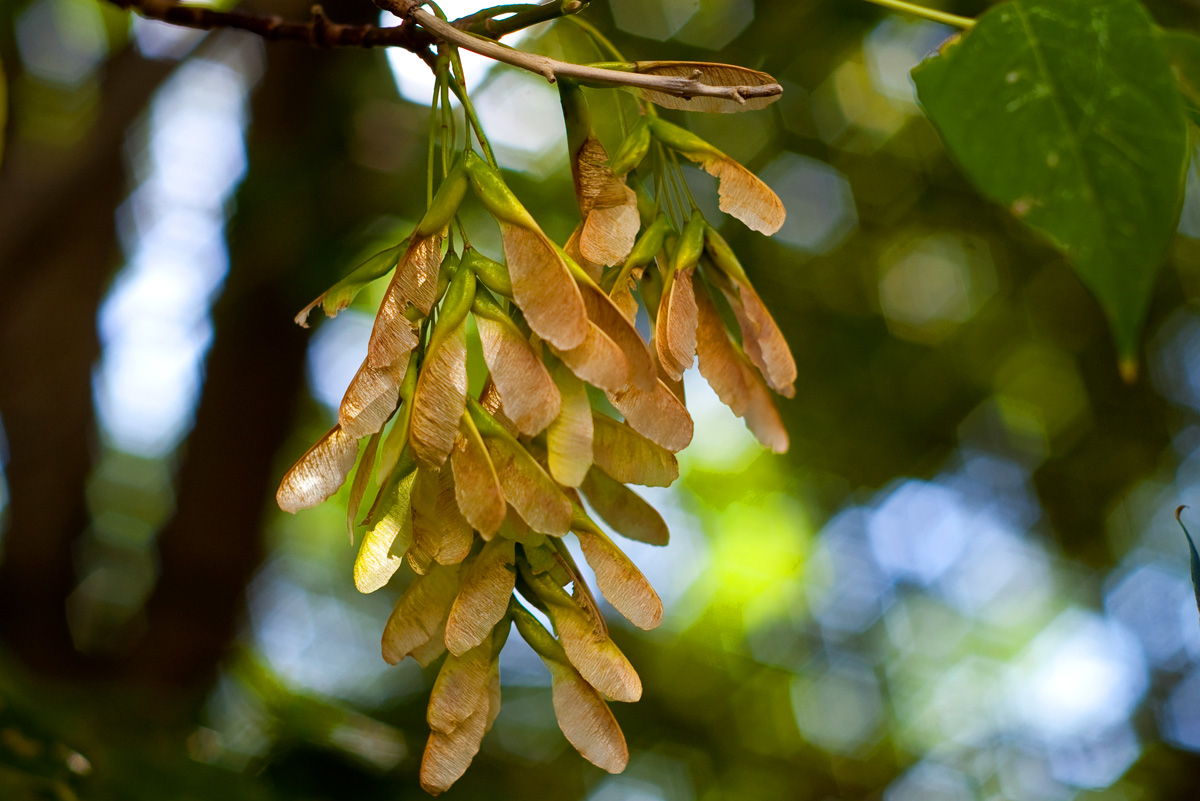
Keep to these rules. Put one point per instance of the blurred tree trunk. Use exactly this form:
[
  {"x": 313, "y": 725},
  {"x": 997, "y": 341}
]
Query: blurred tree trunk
[
  {"x": 285, "y": 245},
  {"x": 58, "y": 248}
]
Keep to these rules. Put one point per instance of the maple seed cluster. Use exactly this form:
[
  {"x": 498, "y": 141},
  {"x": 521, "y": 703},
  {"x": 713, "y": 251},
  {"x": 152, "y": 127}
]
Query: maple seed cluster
[{"x": 477, "y": 493}]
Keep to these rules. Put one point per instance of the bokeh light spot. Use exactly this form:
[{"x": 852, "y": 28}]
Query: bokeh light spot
[
  {"x": 653, "y": 19},
  {"x": 929, "y": 286},
  {"x": 819, "y": 201},
  {"x": 838, "y": 708}
]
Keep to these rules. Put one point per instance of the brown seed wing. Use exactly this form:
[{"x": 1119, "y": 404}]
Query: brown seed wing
[
  {"x": 461, "y": 686},
  {"x": 623, "y": 509},
  {"x": 764, "y": 343},
  {"x": 598, "y": 659},
  {"x": 415, "y": 282},
  {"x": 493, "y": 693},
  {"x": 569, "y": 437},
  {"x": 447, "y": 756},
  {"x": 420, "y": 614},
  {"x": 319, "y": 473},
  {"x": 586, "y": 721},
  {"x": 440, "y": 532},
  {"x": 713, "y": 75},
  {"x": 659, "y": 415},
  {"x": 597, "y": 360},
  {"x": 736, "y": 383},
  {"x": 483, "y": 599},
  {"x": 621, "y": 582},
  {"x": 371, "y": 398},
  {"x": 476, "y": 486},
  {"x": 745, "y": 196},
  {"x": 383, "y": 548},
  {"x": 622, "y": 298},
  {"x": 528, "y": 394},
  {"x": 439, "y": 399},
  {"x": 457, "y": 536},
  {"x": 593, "y": 269},
  {"x": 720, "y": 363},
  {"x": 608, "y": 206},
  {"x": 629, "y": 457},
  {"x": 613, "y": 322},
  {"x": 428, "y": 652},
  {"x": 532, "y": 493},
  {"x": 675, "y": 328},
  {"x": 609, "y": 231},
  {"x": 763, "y": 420},
  {"x": 543, "y": 287}
]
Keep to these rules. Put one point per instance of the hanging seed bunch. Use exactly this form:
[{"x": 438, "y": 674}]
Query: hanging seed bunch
[{"x": 478, "y": 494}]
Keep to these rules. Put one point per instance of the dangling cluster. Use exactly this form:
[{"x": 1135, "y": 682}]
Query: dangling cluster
[{"x": 478, "y": 493}]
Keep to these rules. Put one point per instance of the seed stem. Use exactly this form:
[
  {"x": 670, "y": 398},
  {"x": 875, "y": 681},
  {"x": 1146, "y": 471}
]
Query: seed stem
[{"x": 927, "y": 13}]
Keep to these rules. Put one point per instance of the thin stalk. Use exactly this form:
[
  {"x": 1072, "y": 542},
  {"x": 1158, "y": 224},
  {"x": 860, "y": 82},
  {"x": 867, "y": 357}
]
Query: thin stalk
[
  {"x": 524, "y": 15},
  {"x": 603, "y": 42},
  {"x": 926, "y": 13},
  {"x": 682, "y": 179},
  {"x": 433, "y": 137},
  {"x": 672, "y": 202},
  {"x": 459, "y": 87},
  {"x": 449, "y": 136}
]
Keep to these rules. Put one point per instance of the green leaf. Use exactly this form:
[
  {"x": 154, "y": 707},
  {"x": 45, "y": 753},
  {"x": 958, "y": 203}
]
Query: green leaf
[
  {"x": 1067, "y": 112},
  {"x": 1183, "y": 50},
  {"x": 1195, "y": 556}
]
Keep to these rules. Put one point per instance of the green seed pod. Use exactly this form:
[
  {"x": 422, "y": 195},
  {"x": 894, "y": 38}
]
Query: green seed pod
[
  {"x": 632, "y": 150},
  {"x": 616, "y": 66},
  {"x": 342, "y": 294},
  {"x": 459, "y": 297},
  {"x": 541, "y": 641},
  {"x": 495, "y": 195},
  {"x": 644, "y": 250},
  {"x": 647, "y": 209},
  {"x": 445, "y": 203},
  {"x": 691, "y": 244},
  {"x": 490, "y": 273},
  {"x": 649, "y": 243},
  {"x": 409, "y": 384},
  {"x": 723, "y": 256},
  {"x": 487, "y": 425},
  {"x": 651, "y": 288},
  {"x": 486, "y": 307},
  {"x": 682, "y": 140}
]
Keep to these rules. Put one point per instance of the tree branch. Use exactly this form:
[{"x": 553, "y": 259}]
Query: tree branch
[
  {"x": 420, "y": 30},
  {"x": 319, "y": 31},
  {"x": 552, "y": 69}
]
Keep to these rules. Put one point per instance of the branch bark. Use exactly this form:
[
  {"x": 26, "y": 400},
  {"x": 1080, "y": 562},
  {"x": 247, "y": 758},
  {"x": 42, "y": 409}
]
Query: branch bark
[
  {"x": 553, "y": 69},
  {"x": 319, "y": 31},
  {"x": 58, "y": 247}
]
